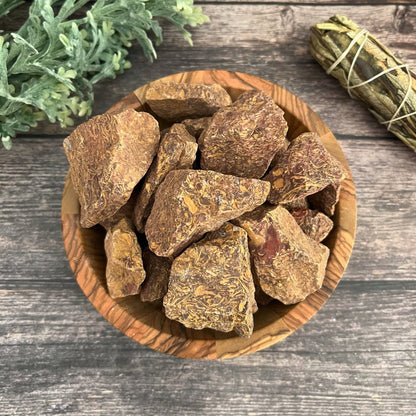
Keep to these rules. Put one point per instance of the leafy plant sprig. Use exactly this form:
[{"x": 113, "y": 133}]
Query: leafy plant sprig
[{"x": 48, "y": 67}]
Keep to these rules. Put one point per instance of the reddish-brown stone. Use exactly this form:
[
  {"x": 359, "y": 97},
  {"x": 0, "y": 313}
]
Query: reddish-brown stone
[
  {"x": 301, "y": 203},
  {"x": 126, "y": 211},
  {"x": 196, "y": 126},
  {"x": 314, "y": 224},
  {"x": 108, "y": 155},
  {"x": 189, "y": 203},
  {"x": 211, "y": 285},
  {"x": 243, "y": 138},
  {"x": 305, "y": 168},
  {"x": 177, "y": 150},
  {"x": 327, "y": 199},
  {"x": 175, "y": 101},
  {"x": 157, "y": 269},
  {"x": 287, "y": 263},
  {"x": 124, "y": 271},
  {"x": 260, "y": 296},
  {"x": 279, "y": 153}
]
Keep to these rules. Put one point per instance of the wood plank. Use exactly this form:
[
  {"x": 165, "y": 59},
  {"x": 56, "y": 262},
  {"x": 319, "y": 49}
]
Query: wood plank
[
  {"x": 386, "y": 203},
  {"x": 116, "y": 381},
  {"x": 353, "y": 354},
  {"x": 49, "y": 315},
  {"x": 31, "y": 241},
  {"x": 277, "y": 50}
]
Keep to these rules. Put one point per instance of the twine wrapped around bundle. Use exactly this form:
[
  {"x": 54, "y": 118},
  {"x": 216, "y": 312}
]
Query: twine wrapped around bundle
[{"x": 369, "y": 72}]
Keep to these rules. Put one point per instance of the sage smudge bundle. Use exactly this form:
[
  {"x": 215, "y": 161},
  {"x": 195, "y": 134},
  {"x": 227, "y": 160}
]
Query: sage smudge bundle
[{"x": 370, "y": 72}]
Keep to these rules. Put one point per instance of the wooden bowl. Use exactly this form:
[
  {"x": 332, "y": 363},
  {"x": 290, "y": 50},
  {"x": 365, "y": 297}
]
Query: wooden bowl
[{"x": 145, "y": 322}]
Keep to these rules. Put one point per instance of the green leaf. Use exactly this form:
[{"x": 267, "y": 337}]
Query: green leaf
[
  {"x": 48, "y": 68},
  {"x": 7, "y": 142}
]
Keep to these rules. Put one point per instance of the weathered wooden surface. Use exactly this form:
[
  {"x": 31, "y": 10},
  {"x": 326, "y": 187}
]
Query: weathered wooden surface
[
  {"x": 356, "y": 356},
  {"x": 276, "y": 50}
]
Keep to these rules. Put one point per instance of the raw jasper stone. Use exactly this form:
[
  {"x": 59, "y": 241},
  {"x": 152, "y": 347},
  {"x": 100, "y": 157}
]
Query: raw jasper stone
[
  {"x": 108, "y": 155},
  {"x": 305, "y": 168},
  {"x": 177, "y": 150},
  {"x": 327, "y": 199},
  {"x": 126, "y": 211},
  {"x": 301, "y": 203},
  {"x": 211, "y": 285},
  {"x": 124, "y": 272},
  {"x": 287, "y": 263},
  {"x": 175, "y": 101},
  {"x": 279, "y": 153},
  {"x": 196, "y": 126},
  {"x": 243, "y": 138},
  {"x": 313, "y": 223},
  {"x": 260, "y": 296},
  {"x": 157, "y": 269},
  {"x": 189, "y": 203}
]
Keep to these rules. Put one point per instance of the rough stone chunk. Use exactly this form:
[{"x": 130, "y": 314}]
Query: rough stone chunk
[
  {"x": 126, "y": 211},
  {"x": 287, "y": 263},
  {"x": 157, "y": 269},
  {"x": 305, "y": 168},
  {"x": 279, "y": 153},
  {"x": 260, "y": 296},
  {"x": 313, "y": 223},
  {"x": 243, "y": 138},
  {"x": 301, "y": 203},
  {"x": 177, "y": 150},
  {"x": 196, "y": 126},
  {"x": 108, "y": 155},
  {"x": 211, "y": 285},
  {"x": 189, "y": 203},
  {"x": 175, "y": 101},
  {"x": 124, "y": 272},
  {"x": 327, "y": 199}
]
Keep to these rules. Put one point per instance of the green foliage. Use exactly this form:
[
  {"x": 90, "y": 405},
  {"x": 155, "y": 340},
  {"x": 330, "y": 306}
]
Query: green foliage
[
  {"x": 48, "y": 68},
  {"x": 7, "y": 5}
]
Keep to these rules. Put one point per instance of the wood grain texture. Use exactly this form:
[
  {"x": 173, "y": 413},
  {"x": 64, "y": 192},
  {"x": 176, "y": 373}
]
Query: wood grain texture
[
  {"x": 75, "y": 363},
  {"x": 145, "y": 322}
]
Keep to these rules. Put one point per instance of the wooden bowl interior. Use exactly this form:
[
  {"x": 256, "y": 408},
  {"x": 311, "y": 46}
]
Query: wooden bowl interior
[{"x": 145, "y": 322}]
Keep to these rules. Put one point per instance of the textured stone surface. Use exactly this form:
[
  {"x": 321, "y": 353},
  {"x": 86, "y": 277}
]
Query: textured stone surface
[
  {"x": 287, "y": 263},
  {"x": 196, "y": 126},
  {"x": 300, "y": 203},
  {"x": 279, "y": 153},
  {"x": 211, "y": 285},
  {"x": 157, "y": 269},
  {"x": 243, "y": 138},
  {"x": 175, "y": 101},
  {"x": 305, "y": 168},
  {"x": 314, "y": 224},
  {"x": 126, "y": 211},
  {"x": 124, "y": 271},
  {"x": 189, "y": 203},
  {"x": 108, "y": 155},
  {"x": 327, "y": 199},
  {"x": 177, "y": 150},
  {"x": 260, "y": 296}
]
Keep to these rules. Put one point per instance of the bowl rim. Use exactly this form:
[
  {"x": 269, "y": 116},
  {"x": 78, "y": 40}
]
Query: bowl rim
[{"x": 178, "y": 343}]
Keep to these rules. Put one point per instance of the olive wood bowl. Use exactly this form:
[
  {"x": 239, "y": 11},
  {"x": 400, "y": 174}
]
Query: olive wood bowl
[{"x": 145, "y": 322}]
